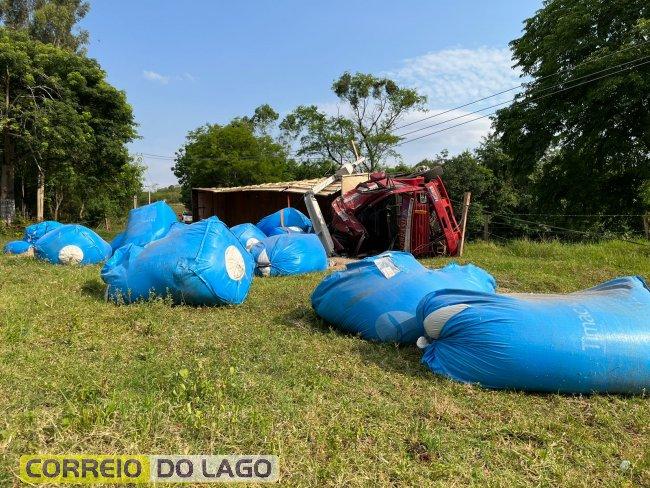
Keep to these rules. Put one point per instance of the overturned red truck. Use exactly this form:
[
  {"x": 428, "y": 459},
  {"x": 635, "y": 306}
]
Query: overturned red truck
[{"x": 411, "y": 213}]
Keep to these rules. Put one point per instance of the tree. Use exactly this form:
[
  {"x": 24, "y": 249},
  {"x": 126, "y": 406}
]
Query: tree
[
  {"x": 372, "y": 107},
  {"x": 229, "y": 155},
  {"x": 61, "y": 121},
  {"x": 586, "y": 148},
  {"x": 49, "y": 21}
]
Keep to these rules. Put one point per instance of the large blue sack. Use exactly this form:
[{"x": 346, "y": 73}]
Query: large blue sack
[
  {"x": 146, "y": 224},
  {"x": 289, "y": 217},
  {"x": 198, "y": 264},
  {"x": 35, "y": 231},
  {"x": 19, "y": 248},
  {"x": 289, "y": 254},
  {"x": 377, "y": 297},
  {"x": 248, "y": 235},
  {"x": 72, "y": 244},
  {"x": 597, "y": 340}
]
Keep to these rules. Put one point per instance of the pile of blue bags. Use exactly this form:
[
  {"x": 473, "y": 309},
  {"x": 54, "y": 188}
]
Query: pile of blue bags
[
  {"x": 289, "y": 254},
  {"x": 377, "y": 297},
  {"x": 596, "y": 340},
  {"x": 57, "y": 243},
  {"x": 198, "y": 264},
  {"x": 72, "y": 244},
  {"x": 34, "y": 232},
  {"x": 283, "y": 244}
]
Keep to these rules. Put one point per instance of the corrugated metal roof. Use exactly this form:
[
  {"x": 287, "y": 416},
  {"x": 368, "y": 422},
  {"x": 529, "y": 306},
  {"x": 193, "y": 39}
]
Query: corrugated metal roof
[{"x": 301, "y": 187}]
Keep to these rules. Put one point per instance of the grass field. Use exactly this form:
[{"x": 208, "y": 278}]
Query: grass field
[{"x": 81, "y": 375}]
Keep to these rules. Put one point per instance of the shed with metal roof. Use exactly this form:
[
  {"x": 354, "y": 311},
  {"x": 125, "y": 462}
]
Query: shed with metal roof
[{"x": 236, "y": 205}]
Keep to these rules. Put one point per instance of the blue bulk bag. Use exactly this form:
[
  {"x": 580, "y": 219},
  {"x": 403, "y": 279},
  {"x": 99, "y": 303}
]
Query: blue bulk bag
[
  {"x": 72, "y": 244},
  {"x": 146, "y": 224},
  {"x": 597, "y": 340},
  {"x": 377, "y": 297},
  {"x": 35, "y": 231},
  {"x": 289, "y": 254},
  {"x": 18, "y": 248},
  {"x": 286, "y": 217},
  {"x": 248, "y": 235},
  {"x": 198, "y": 264},
  {"x": 285, "y": 230}
]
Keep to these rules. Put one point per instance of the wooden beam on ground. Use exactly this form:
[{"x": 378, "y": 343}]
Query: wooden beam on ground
[{"x": 463, "y": 221}]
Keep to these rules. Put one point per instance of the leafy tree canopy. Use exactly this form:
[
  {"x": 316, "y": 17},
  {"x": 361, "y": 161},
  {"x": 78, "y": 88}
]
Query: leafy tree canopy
[
  {"x": 62, "y": 122},
  {"x": 586, "y": 148},
  {"x": 231, "y": 155},
  {"x": 49, "y": 21},
  {"x": 371, "y": 108}
]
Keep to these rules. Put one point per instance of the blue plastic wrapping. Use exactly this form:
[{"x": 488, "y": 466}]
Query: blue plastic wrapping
[
  {"x": 287, "y": 217},
  {"x": 146, "y": 224},
  {"x": 18, "y": 247},
  {"x": 377, "y": 297},
  {"x": 276, "y": 231},
  {"x": 248, "y": 235},
  {"x": 198, "y": 264},
  {"x": 289, "y": 254},
  {"x": 35, "y": 231},
  {"x": 597, "y": 340},
  {"x": 72, "y": 244}
]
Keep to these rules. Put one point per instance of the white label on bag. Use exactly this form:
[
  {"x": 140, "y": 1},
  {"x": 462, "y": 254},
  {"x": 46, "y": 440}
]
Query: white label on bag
[{"x": 387, "y": 267}]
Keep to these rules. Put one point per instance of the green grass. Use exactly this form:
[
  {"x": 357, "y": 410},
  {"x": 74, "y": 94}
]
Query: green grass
[{"x": 81, "y": 375}]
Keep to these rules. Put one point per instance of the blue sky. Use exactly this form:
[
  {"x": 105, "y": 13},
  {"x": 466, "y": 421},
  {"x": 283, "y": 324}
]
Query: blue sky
[{"x": 183, "y": 64}]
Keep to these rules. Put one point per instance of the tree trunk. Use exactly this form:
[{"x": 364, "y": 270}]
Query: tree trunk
[
  {"x": 23, "y": 204},
  {"x": 40, "y": 197},
  {"x": 58, "y": 200},
  {"x": 7, "y": 199}
]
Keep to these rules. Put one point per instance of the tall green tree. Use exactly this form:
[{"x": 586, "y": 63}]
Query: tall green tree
[
  {"x": 50, "y": 21},
  {"x": 230, "y": 155},
  {"x": 371, "y": 108},
  {"x": 61, "y": 121},
  {"x": 586, "y": 148}
]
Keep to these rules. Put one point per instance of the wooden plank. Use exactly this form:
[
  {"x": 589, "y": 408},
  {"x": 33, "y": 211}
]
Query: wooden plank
[{"x": 463, "y": 224}]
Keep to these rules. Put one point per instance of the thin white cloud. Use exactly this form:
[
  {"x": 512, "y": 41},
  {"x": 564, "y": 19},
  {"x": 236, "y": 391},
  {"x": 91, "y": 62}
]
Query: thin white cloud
[
  {"x": 450, "y": 78},
  {"x": 165, "y": 79},
  {"x": 155, "y": 77},
  {"x": 455, "y": 76}
]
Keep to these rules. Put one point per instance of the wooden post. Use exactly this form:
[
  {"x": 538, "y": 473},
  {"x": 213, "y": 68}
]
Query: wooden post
[
  {"x": 463, "y": 221},
  {"x": 486, "y": 227},
  {"x": 40, "y": 198},
  {"x": 646, "y": 225}
]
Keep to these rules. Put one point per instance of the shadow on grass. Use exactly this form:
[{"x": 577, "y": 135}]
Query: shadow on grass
[
  {"x": 95, "y": 289},
  {"x": 403, "y": 359}
]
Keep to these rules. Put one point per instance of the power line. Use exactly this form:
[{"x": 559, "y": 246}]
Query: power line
[
  {"x": 521, "y": 85},
  {"x": 174, "y": 158},
  {"x": 528, "y": 101},
  {"x": 547, "y": 95}
]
